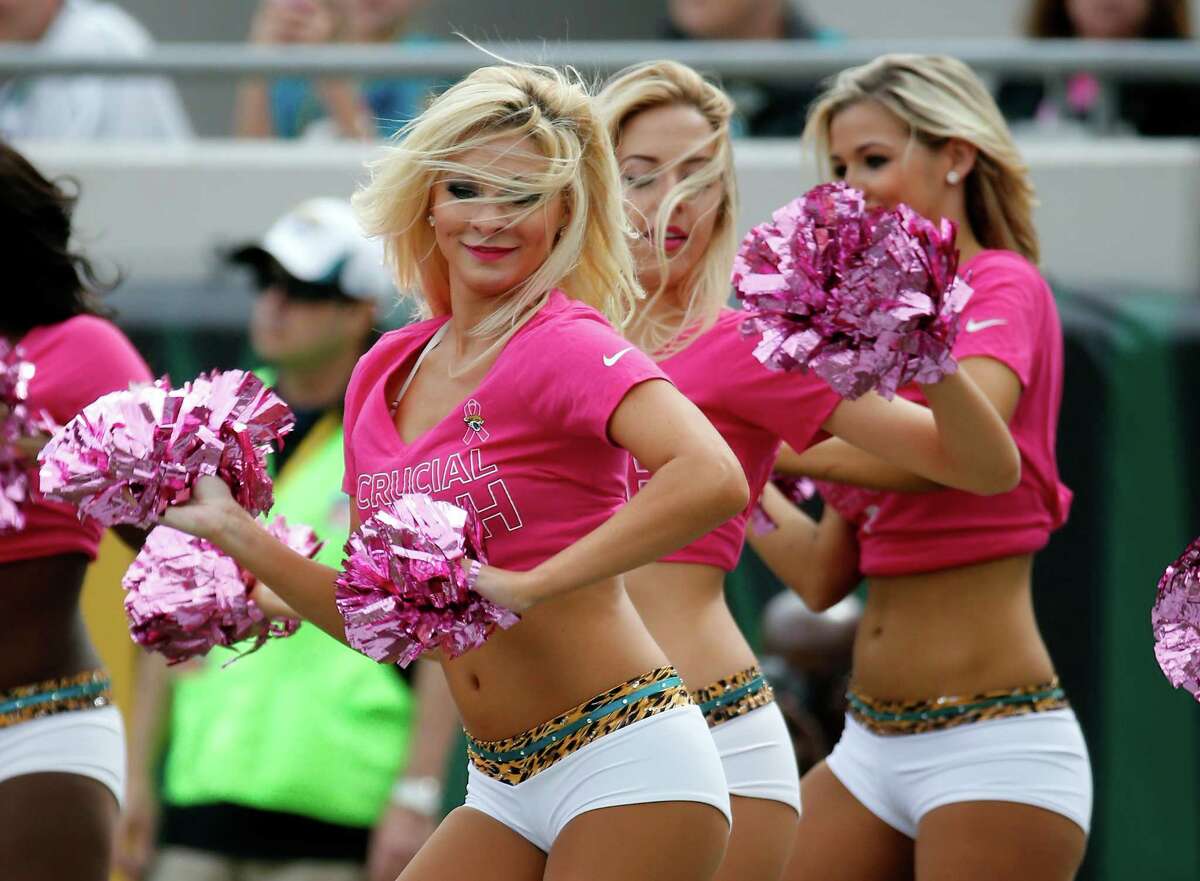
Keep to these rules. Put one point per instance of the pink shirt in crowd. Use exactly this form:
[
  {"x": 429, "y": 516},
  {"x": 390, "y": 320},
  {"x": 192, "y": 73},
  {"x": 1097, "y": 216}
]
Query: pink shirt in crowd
[
  {"x": 753, "y": 408},
  {"x": 1011, "y": 317},
  {"x": 76, "y": 361},
  {"x": 528, "y": 449}
]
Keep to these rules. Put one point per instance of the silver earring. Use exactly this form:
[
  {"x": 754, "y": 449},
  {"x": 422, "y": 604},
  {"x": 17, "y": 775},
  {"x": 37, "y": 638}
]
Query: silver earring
[
  {"x": 953, "y": 177},
  {"x": 429, "y": 219}
]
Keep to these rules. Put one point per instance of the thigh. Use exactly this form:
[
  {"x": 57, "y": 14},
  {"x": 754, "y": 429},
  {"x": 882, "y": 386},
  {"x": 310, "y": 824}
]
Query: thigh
[
  {"x": 55, "y": 826},
  {"x": 760, "y": 841},
  {"x": 997, "y": 841},
  {"x": 185, "y": 864},
  {"x": 470, "y": 844},
  {"x": 657, "y": 841},
  {"x": 840, "y": 840}
]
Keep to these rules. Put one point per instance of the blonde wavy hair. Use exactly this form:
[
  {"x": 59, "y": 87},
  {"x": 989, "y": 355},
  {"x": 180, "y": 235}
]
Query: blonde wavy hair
[
  {"x": 635, "y": 90},
  {"x": 939, "y": 98},
  {"x": 552, "y": 113}
]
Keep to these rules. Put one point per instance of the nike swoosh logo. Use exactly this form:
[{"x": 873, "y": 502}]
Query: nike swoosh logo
[
  {"x": 974, "y": 326},
  {"x": 610, "y": 360}
]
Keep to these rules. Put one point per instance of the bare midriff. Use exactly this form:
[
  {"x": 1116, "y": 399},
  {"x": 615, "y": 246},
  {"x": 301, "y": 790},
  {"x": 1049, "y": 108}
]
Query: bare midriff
[
  {"x": 959, "y": 631},
  {"x": 563, "y": 652},
  {"x": 42, "y": 632},
  {"x": 683, "y": 605}
]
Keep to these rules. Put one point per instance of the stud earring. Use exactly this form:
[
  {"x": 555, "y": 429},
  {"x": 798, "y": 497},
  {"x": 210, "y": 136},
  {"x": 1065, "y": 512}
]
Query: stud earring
[
  {"x": 953, "y": 177},
  {"x": 429, "y": 219}
]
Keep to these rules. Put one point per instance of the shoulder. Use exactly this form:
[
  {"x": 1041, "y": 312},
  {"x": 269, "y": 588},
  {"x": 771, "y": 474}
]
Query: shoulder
[
  {"x": 99, "y": 335},
  {"x": 565, "y": 326},
  {"x": 1003, "y": 267},
  {"x": 99, "y": 27}
]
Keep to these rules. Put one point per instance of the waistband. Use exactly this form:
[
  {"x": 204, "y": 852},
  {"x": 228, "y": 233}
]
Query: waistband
[
  {"x": 515, "y": 759},
  {"x": 888, "y": 717},
  {"x": 734, "y": 696},
  {"x": 88, "y": 690}
]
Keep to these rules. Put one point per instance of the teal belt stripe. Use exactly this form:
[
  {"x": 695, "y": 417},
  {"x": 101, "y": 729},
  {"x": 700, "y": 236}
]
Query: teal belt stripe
[
  {"x": 515, "y": 754},
  {"x": 877, "y": 716},
  {"x": 46, "y": 697},
  {"x": 729, "y": 697}
]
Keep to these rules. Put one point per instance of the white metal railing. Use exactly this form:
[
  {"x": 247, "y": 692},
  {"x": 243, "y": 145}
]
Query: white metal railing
[{"x": 768, "y": 60}]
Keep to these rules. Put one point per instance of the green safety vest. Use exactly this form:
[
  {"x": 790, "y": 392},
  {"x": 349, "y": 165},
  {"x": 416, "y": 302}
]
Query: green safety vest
[{"x": 305, "y": 725}]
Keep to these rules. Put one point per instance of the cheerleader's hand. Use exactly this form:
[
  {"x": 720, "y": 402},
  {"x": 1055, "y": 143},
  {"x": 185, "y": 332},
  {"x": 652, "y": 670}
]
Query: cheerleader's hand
[
  {"x": 271, "y": 603},
  {"x": 211, "y": 513},
  {"x": 512, "y": 590}
]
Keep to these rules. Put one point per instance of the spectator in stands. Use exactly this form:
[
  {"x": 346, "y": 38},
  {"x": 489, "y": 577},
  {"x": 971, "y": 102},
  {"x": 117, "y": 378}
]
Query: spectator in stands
[
  {"x": 85, "y": 106},
  {"x": 331, "y": 107},
  {"x": 764, "y": 109},
  {"x": 1145, "y": 107},
  {"x": 287, "y": 762}
]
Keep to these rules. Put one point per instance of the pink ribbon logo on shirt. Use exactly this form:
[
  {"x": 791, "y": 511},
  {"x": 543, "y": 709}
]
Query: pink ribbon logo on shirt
[{"x": 472, "y": 415}]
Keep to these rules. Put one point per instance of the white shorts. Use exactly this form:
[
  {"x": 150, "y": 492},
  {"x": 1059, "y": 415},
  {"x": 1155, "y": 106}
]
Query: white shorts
[
  {"x": 757, "y": 755},
  {"x": 90, "y": 743},
  {"x": 666, "y": 757},
  {"x": 1036, "y": 759}
]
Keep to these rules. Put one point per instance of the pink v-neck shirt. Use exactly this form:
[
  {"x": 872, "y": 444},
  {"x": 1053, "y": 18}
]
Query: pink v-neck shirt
[
  {"x": 528, "y": 449},
  {"x": 753, "y": 408},
  {"x": 1012, "y": 318},
  {"x": 76, "y": 361}
]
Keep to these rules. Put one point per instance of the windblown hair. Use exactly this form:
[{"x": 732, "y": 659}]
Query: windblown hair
[
  {"x": 940, "y": 98},
  {"x": 554, "y": 117},
  {"x": 1165, "y": 20},
  {"x": 49, "y": 281},
  {"x": 657, "y": 328}
]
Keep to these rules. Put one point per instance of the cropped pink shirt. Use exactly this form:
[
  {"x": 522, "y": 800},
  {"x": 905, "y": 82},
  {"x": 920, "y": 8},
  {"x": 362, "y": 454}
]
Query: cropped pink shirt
[
  {"x": 529, "y": 449},
  {"x": 1012, "y": 318},
  {"x": 753, "y": 408}
]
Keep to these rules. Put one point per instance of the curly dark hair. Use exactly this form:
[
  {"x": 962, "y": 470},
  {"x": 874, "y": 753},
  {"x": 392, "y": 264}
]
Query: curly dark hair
[
  {"x": 1165, "y": 20},
  {"x": 49, "y": 282}
]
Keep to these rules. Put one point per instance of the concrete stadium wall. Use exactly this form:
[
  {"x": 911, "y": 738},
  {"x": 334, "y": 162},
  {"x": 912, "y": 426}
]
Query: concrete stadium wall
[{"x": 1114, "y": 214}]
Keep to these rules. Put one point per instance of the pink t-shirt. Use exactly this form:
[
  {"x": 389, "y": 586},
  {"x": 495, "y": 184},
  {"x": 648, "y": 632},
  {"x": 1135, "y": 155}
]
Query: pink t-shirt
[
  {"x": 1011, "y": 317},
  {"x": 753, "y": 408},
  {"x": 76, "y": 361},
  {"x": 528, "y": 449}
]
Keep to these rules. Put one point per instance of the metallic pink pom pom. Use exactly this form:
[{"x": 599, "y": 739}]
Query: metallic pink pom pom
[
  {"x": 854, "y": 503},
  {"x": 797, "y": 489},
  {"x": 865, "y": 298},
  {"x": 16, "y": 423},
  {"x": 131, "y": 454},
  {"x": 1176, "y": 621},
  {"x": 405, "y": 587},
  {"x": 186, "y": 596}
]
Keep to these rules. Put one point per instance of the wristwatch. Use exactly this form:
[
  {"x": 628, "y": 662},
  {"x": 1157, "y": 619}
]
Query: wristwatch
[{"x": 421, "y": 795}]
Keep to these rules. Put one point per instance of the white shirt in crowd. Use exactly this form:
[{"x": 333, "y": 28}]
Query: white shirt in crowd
[{"x": 91, "y": 107}]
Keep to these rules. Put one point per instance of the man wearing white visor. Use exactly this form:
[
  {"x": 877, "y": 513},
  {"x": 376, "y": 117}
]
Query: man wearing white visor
[{"x": 300, "y": 761}]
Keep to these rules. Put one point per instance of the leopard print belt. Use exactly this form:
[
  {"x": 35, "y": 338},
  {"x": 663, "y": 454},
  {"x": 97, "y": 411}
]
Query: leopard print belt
[
  {"x": 890, "y": 717},
  {"x": 515, "y": 759},
  {"x": 89, "y": 690},
  {"x": 733, "y": 696}
]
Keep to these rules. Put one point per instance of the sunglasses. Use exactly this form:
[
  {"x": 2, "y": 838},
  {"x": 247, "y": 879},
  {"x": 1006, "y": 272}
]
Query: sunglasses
[{"x": 269, "y": 274}]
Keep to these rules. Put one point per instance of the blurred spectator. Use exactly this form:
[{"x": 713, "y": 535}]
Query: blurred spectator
[
  {"x": 91, "y": 107},
  {"x": 285, "y": 763},
  {"x": 1145, "y": 107},
  {"x": 331, "y": 107},
  {"x": 764, "y": 109}
]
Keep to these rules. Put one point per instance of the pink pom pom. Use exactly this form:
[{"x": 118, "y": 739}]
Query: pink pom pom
[
  {"x": 16, "y": 424},
  {"x": 405, "y": 587},
  {"x": 865, "y": 298},
  {"x": 131, "y": 454},
  {"x": 1176, "y": 621},
  {"x": 797, "y": 489},
  {"x": 186, "y": 596}
]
